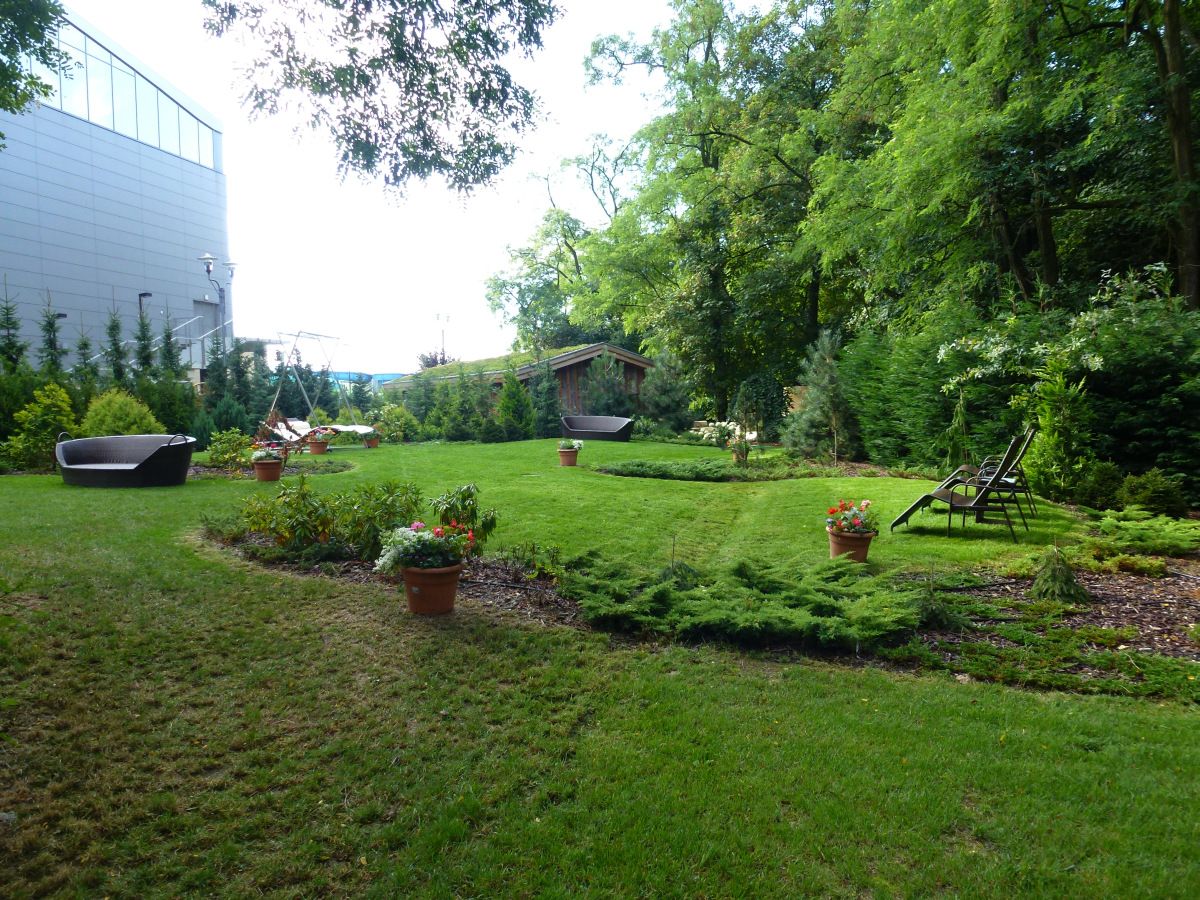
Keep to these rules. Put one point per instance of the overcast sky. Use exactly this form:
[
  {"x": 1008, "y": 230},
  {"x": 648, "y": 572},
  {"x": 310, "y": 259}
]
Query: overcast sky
[{"x": 381, "y": 272}]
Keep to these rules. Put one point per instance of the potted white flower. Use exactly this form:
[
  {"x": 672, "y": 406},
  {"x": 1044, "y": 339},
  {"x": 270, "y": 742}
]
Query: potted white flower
[
  {"x": 268, "y": 464},
  {"x": 568, "y": 451}
]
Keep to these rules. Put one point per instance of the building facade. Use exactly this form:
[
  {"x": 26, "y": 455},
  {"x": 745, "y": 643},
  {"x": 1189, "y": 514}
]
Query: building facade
[{"x": 109, "y": 193}]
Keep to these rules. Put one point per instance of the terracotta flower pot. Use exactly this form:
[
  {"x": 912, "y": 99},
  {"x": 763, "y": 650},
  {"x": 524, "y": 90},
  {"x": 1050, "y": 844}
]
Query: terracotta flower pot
[
  {"x": 430, "y": 592},
  {"x": 268, "y": 469},
  {"x": 317, "y": 447},
  {"x": 567, "y": 457},
  {"x": 371, "y": 443},
  {"x": 843, "y": 542}
]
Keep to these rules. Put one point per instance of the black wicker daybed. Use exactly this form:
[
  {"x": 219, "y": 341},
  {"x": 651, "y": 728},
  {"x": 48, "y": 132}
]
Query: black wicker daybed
[
  {"x": 126, "y": 460},
  {"x": 597, "y": 428}
]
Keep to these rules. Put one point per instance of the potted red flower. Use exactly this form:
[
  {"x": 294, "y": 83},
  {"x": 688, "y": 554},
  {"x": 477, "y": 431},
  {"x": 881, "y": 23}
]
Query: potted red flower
[{"x": 851, "y": 527}]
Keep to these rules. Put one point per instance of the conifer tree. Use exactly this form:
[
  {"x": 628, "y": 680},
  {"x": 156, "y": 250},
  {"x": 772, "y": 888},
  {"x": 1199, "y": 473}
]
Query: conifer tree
[
  {"x": 823, "y": 424},
  {"x": 51, "y": 351},
  {"x": 547, "y": 410},
  {"x": 12, "y": 348},
  {"x": 603, "y": 390},
  {"x": 86, "y": 373},
  {"x": 216, "y": 374},
  {"x": 115, "y": 356},
  {"x": 514, "y": 409},
  {"x": 143, "y": 347},
  {"x": 170, "y": 358}
]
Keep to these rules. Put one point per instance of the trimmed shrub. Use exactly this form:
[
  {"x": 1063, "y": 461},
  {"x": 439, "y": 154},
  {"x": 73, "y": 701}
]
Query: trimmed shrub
[
  {"x": 118, "y": 412},
  {"x": 1156, "y": 492}
]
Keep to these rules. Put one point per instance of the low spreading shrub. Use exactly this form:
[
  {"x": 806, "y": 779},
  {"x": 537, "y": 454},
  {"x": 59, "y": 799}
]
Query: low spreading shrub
[
  {"x": 830, "y": 605},
  {"x": 773, "y": 469}
]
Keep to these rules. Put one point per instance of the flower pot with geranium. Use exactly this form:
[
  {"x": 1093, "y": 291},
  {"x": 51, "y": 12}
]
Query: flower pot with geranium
[
  {"x": 851, "y": 527},
  {"x": 371, "y": 439},
  {"x": 430, "y": 558},
  {"x": 568, "y": 451},
  {"x": 318, "y": 440},
  {"x": 268, "y": 464}
]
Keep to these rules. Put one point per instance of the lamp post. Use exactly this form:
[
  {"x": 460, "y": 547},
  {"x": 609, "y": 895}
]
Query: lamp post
[{"x": 208, "y": 259}]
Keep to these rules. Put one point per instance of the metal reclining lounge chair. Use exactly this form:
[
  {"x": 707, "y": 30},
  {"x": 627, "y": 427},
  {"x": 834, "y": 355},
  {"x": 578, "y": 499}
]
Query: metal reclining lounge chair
[
  {"x": 990, "y": 493},
  {"x": 1016, "y": 478}
]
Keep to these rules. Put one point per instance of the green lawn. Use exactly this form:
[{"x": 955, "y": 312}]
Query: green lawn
[{"x": 182, "y": 722}]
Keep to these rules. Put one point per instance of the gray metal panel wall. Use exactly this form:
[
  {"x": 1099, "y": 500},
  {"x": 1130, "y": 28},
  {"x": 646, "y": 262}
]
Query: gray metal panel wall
[{"x": 92, "y": 218}]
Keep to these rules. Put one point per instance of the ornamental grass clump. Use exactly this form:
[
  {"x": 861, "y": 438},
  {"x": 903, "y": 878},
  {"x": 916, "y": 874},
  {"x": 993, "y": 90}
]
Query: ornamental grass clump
[{"x": 853, "y": 518}]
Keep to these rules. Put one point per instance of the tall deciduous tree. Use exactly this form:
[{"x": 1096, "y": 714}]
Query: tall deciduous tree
[
  {"x": 28, "y": 29},
  {"x": 407, "y": 88}
]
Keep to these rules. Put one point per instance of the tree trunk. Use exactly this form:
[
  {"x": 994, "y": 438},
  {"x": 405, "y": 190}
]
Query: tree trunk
[
  {"x": 1172, "y": 75},
  {"x": 1008, "y": 242},
  {"x": 1047, "y": 246},
  {"x": 812, "y": 320}
]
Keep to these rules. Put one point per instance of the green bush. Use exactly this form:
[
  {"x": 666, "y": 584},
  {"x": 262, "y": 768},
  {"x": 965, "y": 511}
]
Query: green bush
[
  {"x": 202, "y": 429},
  {"x": 229, "y": 450},
  {"x": 1155, "y": 491},
  {"x": 308, "y": 526},
  {"x": 117, "y": 412},
  {"x": 38, "y": 426},
  {"x": 830, "y": 605},
  {"x": 396, "y": 425},
  {"x": 1100, "y": 486},
  {"x": 229, "y": 415}
]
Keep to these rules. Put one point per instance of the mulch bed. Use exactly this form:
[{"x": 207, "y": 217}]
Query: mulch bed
[{"x": 1161, "y": 609}]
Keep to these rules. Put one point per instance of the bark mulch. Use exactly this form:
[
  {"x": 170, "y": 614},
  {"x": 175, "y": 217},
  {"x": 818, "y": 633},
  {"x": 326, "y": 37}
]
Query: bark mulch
[{"x": 1163, "y": 610}]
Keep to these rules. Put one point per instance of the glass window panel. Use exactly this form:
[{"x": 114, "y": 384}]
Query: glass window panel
[
  {"x": 147, "y": 112},
  {"x": 206, "y": 146},
  {"x": 50, "y": 76},
  {"x": 100, "y": 97},
  {"x": 189, "y": 141},
  {"x": 71, "y": 37},
  {"x": 125, "y": 113},
  {"x": 168, "y": 124},
  {"x": 97, "y": 51},
  {"x": 74, "y": 82}
]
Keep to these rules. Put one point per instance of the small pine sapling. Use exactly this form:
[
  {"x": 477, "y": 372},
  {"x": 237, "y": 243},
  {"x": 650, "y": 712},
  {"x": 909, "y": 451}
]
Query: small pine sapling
[{"x": 1056, "y": 583}]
